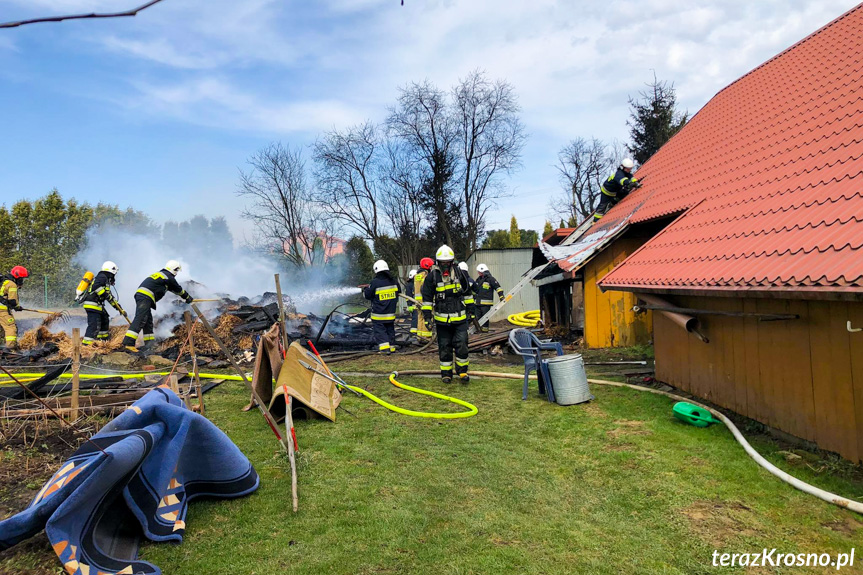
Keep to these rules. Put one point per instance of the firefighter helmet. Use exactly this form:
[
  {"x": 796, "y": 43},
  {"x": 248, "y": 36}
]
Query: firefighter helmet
[
  {"x": 173, "y": 266},
  {"x": 426, "y": 263},
  {"x": 412, "y": 274},
  {"x": 482, "y": 268},
  {"x": 445, "y": 254},
  {"x": 627, "y": 163},
  {"x": 462, "y": 266},
  {"x": 109, "y": 267},
  {"x": 19, "y": 272},
  {"x": 380, "y": 266}
]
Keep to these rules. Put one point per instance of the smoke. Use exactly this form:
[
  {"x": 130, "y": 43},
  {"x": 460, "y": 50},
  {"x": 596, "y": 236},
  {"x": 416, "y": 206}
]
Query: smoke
[{"x": 227, "y": 272}]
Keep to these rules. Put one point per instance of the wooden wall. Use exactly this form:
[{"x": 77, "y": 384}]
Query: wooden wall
[
  {"x": 802, "y": 376},
  {"x": 608, "y": 317}
]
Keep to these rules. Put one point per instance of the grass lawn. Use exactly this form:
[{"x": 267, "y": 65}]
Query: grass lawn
[{"x": 615, "y": 486}]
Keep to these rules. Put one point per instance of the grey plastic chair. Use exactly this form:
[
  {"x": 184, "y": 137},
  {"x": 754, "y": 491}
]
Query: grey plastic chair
[{"x": 530, "y": 348}]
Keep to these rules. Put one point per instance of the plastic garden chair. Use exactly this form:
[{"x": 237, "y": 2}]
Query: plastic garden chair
[{"x": 530, "y": 348}]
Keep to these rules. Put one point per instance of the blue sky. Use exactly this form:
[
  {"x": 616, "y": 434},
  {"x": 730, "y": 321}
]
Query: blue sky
[{"x": 160, "y": 111}]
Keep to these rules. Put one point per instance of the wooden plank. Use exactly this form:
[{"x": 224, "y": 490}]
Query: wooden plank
[
  {"x": 741, "y": 383},
  {"x": 855, "y": 315},
  {"x": 757, "y": 406},
  {"x": 590, "y": 306},
  {"x": 603, "y": 305},
  {"x": 76, "y": 370},
  {"x": 833, "y": 384},
  {"x": 672, "y": 353},
  {"x": 701, "y": 364}
]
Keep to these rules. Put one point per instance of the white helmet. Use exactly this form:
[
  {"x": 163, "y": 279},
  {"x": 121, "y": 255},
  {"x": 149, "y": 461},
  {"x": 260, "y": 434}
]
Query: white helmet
[
  {"x": 381, "y": 266},
  {"x": 173, "y": 266},
  {"x": 445, "y": 254},
  {"x": 412, "y": 274},
  {"x": 627, "y": 163},
  {"x": 462, "y": 266},
  {"x": 482, "y": 268},
  {"x": 109, "y": 267}
]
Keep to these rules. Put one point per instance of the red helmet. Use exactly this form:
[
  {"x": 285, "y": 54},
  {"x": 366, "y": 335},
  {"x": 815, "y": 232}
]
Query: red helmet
[
  {"x": 426, "y": 263},
  {"x": 19, "y": 272}
]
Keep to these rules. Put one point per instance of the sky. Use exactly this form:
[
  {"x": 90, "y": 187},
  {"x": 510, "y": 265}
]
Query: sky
[{"x": 161, "y": 111}]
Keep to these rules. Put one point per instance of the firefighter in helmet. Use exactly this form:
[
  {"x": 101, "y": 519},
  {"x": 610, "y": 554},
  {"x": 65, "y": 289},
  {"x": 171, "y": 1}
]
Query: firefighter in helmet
[
  {"x": 410, "y": 291},
  {"x": 9, "y": 285},
  {"x": 94, "y": 299},
  {"x": 384, "y": 295},
  {"x": 615, "y": 188},
  {"x": 444, "y": 291},
  {"x": 151, "y": 290},
  {"x": 423, "y": 327},
  {"x": 487, "y": 287}
]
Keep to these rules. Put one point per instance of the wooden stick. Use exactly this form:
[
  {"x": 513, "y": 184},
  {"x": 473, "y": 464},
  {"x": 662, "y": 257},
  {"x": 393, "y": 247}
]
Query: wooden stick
[
  {"x": 268, "y": 417},
  {"x": 196, "y": 374},
  {"x": 76, "y": 369},
  {"x": 289, "y": 418}
]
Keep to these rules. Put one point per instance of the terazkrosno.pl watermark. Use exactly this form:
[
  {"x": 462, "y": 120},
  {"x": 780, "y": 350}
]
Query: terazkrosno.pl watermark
[{"x": 772, "y": 558}]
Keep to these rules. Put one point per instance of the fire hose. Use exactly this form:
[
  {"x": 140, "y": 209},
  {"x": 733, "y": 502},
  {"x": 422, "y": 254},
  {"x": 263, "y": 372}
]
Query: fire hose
[
  {"x": 525, "y": 319},
  {"x": 472, "y": 410}
]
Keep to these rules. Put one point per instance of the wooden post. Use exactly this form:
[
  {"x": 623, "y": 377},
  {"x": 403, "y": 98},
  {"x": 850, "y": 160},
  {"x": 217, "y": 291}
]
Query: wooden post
[
  {"x": 268, "y": 417},
  {"x": 196, "y": 377},
  {"x": 289, "y": 401},
  {"x": 76, "y": 369}
]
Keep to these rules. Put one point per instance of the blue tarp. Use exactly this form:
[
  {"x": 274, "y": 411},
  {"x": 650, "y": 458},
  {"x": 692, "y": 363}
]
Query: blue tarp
[{"x": 157, "y": 457}]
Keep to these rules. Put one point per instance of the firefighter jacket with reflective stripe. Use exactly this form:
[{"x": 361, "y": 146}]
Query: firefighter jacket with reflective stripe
[
  {"x": 444, "y": 295},
  {"x": 99, "y": 292},
  {"x": 8, "y": 292},
  {"x": 618, "y": 185},
  {"x": 383, "y": 293},
  {"x": 488, "y": 289},
  {"x": 157, "y": 285},
  {"x": 409, "y": 291}
]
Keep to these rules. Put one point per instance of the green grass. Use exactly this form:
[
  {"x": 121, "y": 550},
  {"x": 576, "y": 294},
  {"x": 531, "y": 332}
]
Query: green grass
[{"x": 616, "y": 486}]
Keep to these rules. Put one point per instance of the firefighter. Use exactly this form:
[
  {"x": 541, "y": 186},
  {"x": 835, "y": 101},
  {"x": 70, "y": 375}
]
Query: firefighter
[
  {"x": 9, "y": 285},
  {"x": 469, "y": 300},
  {"x": 615, "y": 188},
  {"x": 444, "y": 292},
  {"x": 149, "y": 292},
  {"x": 97, "y": 295},
  {"x": 410, "y": 291},
  {"x": 423, "y": 327},
  {"x": 486, "y": 288},
  {"x": 383, "y": 293}
]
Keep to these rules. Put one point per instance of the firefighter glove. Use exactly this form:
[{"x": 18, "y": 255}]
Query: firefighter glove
[
  {"x": 189, "y": 298},
  {"x": 18, "y": 308},
  {"x": 427, "y": 315}
]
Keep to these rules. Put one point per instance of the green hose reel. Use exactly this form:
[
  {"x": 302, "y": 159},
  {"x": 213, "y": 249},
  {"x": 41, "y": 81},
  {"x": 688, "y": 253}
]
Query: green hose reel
[{"x": 692, "y": 414}]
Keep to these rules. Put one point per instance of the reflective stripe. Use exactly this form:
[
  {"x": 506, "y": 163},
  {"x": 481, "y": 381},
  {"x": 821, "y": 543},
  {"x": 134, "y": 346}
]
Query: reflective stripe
[
  {"x": 462, "y": 362},
  {"x": 149, "y": 337},
  {"x": 413, "y": 330},
  {"x": 2, "y": 306},
  {"x": 147, "y": 293},
  {"x": 444, "y": 287},
  {"x": 383, "y": 346},
  {"x": 469, "y": 300},
  {"x": 412, "y": 308},
  {"x": 486, "y": 302},
  {"x": 132, "y": 334},
  {"x": 450, "y": 317},
  {"x": 427, "y": 307},
  {"x": 486, "y": 285},
  {"x": 424, "y": 333},
  {"x": 383, "y": 317},
  {"x": 93, "y": 306},
  {"x": 446, "y": 366},
  {"x": 606, "y": 192},
  {"x": 11, "y": 338}
]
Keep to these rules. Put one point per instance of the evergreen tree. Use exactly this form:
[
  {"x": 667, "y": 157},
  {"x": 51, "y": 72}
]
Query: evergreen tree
[
  {"x": 359, "y": 261},
  {"x": 654, "y": 119},
  {"x": 514, "y": 233},
  {"x": 547, "y": 229}
]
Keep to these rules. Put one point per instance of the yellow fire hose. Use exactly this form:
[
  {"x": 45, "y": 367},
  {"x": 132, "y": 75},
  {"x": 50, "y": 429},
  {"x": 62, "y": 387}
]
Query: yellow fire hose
[
  {"x": 525, "y": 319},
  {"x": 472, "y": 408},
  {"x": 36, "y": 376}
]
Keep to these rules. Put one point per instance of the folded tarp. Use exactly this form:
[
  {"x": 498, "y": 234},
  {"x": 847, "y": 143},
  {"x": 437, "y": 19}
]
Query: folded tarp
[{"x": 157, "y": 457}]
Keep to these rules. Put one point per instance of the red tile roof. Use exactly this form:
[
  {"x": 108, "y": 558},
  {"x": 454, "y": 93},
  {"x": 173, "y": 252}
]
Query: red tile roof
[{"x": 771, "y": 173}]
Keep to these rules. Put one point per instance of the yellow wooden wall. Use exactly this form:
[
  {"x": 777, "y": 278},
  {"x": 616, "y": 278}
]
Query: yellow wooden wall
[
  {"x": 608, "y": 317},
  {"x": 804, "y": 376}
]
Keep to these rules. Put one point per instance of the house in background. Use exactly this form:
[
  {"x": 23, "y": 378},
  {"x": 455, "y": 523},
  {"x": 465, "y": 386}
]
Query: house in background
[{"x": 749, "y": 232}]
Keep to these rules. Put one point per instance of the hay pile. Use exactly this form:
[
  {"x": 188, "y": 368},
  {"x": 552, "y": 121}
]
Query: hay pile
[
  {"x": 204, "y": 343},
  {"x": 40, "y": 335}
]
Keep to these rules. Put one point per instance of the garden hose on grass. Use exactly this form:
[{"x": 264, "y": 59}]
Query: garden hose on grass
[
  {"x": 472, "y": 409},
  {"x": 525, "y": 319},
  {"x": 125, "y": 376}
]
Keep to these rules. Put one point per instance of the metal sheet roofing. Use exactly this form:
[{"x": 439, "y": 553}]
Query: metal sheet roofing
[{"x": 770, "y": 177}]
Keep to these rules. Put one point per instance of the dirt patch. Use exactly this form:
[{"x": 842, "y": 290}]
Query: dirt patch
[
  {"x": 627, "y": 427},
  {"x": 719, "y": 523},
  {"x": 847, "y": 525}
]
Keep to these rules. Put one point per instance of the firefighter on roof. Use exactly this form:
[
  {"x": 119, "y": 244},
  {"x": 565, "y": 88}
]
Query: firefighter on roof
[{"x": 615, "y": 188}]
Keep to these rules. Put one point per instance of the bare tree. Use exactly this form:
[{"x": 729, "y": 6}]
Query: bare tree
[
  {"x": 288, "y": 221},
  {"x": 421, "y": 120},
  {"x": 126, "y": 13},
  {"x": 490, "y": 138},
  {"x": 346, "y": 171},
  {"x": 403, "y": 204},
  {"x": 582, "y": 164}
]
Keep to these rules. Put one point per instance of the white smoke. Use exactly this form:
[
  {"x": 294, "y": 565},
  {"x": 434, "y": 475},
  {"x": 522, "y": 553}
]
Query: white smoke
[{"x": 228, "y": 273}]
